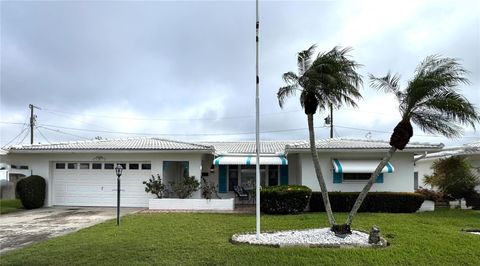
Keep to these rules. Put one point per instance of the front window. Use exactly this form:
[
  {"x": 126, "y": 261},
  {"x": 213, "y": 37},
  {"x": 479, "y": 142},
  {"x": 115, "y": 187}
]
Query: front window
[
  {"x": 356, "y": 176},
  {"x": 232, "y": 176}
]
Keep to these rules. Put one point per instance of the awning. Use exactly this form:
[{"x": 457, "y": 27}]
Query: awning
[
  {"x": 359, "y": 166},
  {"x": 250, "y": 160}
]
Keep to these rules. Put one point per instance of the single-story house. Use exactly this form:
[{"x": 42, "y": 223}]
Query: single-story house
[
  {"x": 424, "y": 162},
  {"x": 82, "y": 173}
]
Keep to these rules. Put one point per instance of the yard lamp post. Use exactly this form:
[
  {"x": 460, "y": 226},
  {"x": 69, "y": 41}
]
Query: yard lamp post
[{"x": 118, "y": 170}]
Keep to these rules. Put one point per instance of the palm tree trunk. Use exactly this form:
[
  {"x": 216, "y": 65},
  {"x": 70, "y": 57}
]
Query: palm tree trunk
[
  {"x": 369, "y": 184},
  {"x": 318, "y": 171}
]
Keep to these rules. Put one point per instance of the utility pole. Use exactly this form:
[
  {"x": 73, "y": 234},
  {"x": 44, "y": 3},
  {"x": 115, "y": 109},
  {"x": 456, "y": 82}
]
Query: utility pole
[
  {"x": 331, "y": 120},
  {"x": 32, "y": 121}
]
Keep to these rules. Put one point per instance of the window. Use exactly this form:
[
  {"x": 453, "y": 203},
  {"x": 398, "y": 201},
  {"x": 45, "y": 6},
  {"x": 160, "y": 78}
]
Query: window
[
  {"x": 248, "y": 175},
  {"x": 96, "y": 166},
  {"x": 146, "y": 166},
  {"x": 356, "y": 176},
  {"x": 272, "y": 175},
  {"x": 133, "y": 166},
  {"x": 24, "y": 167},
  {"x": 108, "y": 166},
  {"x": 124, "y": 165},
  {"x": 84, "y": 166},
  {"x": 60, "y": 166},
  {"x": 72, "y": 166},
  {"x": 232, "y": 176}
]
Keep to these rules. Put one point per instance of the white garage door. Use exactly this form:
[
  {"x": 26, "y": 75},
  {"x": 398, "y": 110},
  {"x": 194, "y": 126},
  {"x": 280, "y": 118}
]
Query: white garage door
[{"x": 95, "y": 184}]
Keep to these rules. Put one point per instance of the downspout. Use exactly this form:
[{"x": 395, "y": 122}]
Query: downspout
[{"x": 420, "y": 157}]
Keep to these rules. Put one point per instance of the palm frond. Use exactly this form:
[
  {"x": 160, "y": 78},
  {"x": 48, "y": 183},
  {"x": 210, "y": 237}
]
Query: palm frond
[
  {"x": 389, "y": 84},
  {"x": 285, "y": 92},
  {"x": 436, "y": 123},
  {"x": 290, "y": 78},
  {"x": 305, "y": 59},
  {"x": 453, "y": 106}
]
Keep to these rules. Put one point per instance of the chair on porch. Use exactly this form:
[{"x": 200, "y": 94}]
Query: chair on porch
[{"x": 241, "y": 193}]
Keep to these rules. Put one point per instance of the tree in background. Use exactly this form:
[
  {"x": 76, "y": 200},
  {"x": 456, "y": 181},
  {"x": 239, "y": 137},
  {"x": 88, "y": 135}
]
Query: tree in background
[{"x": 454, "y": 177}]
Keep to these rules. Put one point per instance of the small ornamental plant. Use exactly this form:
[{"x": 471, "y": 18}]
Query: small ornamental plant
[
  {"x": 185, "y": 188},
  {"x": 208, "y": 189},
  {"x": 155, "y": 186}
]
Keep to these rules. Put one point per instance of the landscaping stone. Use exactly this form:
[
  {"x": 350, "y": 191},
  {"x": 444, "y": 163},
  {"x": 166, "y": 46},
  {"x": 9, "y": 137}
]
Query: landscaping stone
[{"x": 322, "y": 237}]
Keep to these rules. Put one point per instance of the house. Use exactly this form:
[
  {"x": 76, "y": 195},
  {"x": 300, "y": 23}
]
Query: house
[
  {"x": 82, "y": 173},
  {"x": 423, "y": 163}
]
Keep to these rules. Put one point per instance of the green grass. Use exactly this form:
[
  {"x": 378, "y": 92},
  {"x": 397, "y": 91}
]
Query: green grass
[
  {"x": 8, "y": 206},
  {"x": 203, "y": 239}
]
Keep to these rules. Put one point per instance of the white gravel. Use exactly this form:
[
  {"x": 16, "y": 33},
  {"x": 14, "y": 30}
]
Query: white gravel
[{"x": 322, "y": 237}]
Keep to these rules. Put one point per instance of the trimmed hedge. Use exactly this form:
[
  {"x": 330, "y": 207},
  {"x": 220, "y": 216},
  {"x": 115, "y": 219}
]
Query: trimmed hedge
[
  {"x": 285, "y": 199},
  {"x": 31, "y": 191},
  {"x": 395, "y": 202},
  {"x": 473, "y": 201}
]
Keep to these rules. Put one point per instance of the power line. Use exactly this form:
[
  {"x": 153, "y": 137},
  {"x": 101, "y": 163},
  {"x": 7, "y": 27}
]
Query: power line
[
  {"x": 45, "y": 138},
  {"x": 173, "y": 134},
  {"x": 23, "y": 130},
  {"x": 24, "y": 137},
  {"x": 62, "y": 132}
]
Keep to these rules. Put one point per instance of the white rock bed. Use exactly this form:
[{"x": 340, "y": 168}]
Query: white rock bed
[{"x": 322, "y": 237}]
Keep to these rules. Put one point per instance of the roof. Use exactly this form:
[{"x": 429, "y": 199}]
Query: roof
[
  {"x": 248, "y": 147},
  {"x": 359, "y": 144},
  {"x": 472, "y": 148},
  {"x": 145, "y": 144},
  {"x": 3, "y": 152}
]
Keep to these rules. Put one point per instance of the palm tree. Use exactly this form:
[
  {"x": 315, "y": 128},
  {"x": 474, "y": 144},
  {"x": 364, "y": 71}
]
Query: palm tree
[
  {"x": 328, "y": 79},
  {"x": 431, "y": 101}
]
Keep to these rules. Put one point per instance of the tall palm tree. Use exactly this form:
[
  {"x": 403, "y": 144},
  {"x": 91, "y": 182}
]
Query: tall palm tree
[
  {"x": 328, "y": 79},
  {"x": 431, "y": 101}
]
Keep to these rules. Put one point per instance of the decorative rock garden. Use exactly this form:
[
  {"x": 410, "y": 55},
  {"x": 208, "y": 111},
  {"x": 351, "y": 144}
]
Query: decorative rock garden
[{"x": 322, "y": 237}]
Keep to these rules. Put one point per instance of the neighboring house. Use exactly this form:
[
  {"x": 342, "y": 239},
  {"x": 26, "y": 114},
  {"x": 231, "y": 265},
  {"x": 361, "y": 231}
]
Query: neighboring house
[
  {"x": 81, "y": 173},
  {"x": 423, "y": 163}
]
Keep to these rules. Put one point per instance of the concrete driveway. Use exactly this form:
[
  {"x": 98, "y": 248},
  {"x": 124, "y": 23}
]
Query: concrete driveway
[{"x": 30, "y": 226}]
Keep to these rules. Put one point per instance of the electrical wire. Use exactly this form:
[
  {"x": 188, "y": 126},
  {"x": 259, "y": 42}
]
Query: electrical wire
[
  {"x": 21, "y": 132},
  {"x": 45, "y": 138},
  {"x": 65, "y": 133}
]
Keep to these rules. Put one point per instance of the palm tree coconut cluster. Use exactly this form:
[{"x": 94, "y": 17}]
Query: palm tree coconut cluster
[{"x": 430, "y": 100}]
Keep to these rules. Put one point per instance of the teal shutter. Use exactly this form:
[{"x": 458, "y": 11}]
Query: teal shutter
[
  {"x": 379, "y": 178},
  {"x": 283, "y": 174},
  {"x": 185, "y": 166},
  {"x": 222, "y": 179},
  {"x": 337, "y": 177}
]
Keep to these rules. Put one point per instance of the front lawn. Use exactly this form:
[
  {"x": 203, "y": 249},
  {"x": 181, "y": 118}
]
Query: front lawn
[
  {"x": 8, "y": 206},
  {"x": 203, "y": 239}
]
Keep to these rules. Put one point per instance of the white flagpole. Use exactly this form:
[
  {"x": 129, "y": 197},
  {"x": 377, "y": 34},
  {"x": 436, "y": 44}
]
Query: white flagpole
[{"x": 257, "y": 131}]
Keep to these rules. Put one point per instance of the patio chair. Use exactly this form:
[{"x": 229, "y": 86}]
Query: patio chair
[{"x": 241, "y": 193}]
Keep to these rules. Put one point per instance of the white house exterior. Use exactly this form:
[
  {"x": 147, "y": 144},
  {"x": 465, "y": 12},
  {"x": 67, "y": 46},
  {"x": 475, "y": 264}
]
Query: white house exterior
[
  {"x": 81, "y": 173},
  {"x": 423, "y": 163}
]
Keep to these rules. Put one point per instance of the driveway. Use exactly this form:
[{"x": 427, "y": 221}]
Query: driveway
[{"x": 26, "y": 227}]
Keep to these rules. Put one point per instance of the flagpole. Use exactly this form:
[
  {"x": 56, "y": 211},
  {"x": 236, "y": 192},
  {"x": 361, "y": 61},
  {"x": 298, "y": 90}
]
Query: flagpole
[{"x": 257, "y": 130}]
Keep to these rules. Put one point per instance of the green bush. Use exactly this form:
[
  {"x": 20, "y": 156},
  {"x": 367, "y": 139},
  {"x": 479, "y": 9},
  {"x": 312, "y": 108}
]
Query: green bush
[
  {"x": 284, "y": 199},
  {"x": 473, "y": 201},
  {"x": 185, "y": 188},
  {"x": 31, "y": 191},
  {"x": 395, "y": 202}
]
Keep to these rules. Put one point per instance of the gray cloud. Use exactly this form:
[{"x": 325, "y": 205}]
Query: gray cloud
[{"x": 82, "y": 61}]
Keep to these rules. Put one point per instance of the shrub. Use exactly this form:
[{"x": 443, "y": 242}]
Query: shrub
[
  {"x": 155, "y": 186},
  {"x": 185, "y": 188},
  {"x": 473, "y": 201},
  {"x": 395, "y": 202},
  {"x": 208, "y": 189},
  {"x": 284, "y": 199},
  {"x": 31, "y": 191},
  {"x": 431, "y": 194}
]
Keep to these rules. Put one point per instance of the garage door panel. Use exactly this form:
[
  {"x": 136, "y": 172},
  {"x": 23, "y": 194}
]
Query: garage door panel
[{"x": 88, "y": 187}]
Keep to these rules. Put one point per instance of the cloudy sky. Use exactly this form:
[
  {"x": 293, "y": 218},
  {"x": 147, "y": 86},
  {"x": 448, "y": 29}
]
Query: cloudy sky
[{"x": 186, "y": 70}]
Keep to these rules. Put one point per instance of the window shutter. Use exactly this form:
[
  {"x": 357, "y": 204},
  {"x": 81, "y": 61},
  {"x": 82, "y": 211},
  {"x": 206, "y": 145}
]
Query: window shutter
[
  {"x": 222, "y": 179},
  {"x": 379, "y": 178},
  {"x": 337, "y": 177},
  {"x": 284, "y": 175}
]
